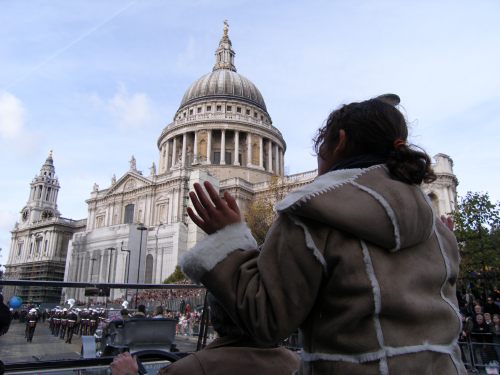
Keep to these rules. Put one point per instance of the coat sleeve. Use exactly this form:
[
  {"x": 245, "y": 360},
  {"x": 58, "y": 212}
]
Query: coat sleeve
[{"x": 268, "y": 293}]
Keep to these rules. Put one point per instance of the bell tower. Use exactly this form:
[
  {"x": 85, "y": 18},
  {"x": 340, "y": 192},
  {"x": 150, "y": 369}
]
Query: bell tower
[{"x": 42, "y": 201}]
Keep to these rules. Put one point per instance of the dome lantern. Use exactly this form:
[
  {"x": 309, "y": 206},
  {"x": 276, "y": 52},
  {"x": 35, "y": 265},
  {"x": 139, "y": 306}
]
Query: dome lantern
[{"x": 224, "y": 55}]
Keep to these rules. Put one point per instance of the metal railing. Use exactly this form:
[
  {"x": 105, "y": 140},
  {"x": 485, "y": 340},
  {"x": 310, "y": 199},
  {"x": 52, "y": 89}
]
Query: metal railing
[{"x": 480, "y": 353}]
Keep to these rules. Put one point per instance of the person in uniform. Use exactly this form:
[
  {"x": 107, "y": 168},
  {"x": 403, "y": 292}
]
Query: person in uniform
[
  {"x": 64, "y": 323},
  {"x": 72, "y": 319},
  {"x": 31, "y": 320}
]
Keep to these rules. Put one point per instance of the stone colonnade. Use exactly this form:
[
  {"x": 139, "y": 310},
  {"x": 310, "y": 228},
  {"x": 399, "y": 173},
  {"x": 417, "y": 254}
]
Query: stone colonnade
[{"x": 222, "y": 147}]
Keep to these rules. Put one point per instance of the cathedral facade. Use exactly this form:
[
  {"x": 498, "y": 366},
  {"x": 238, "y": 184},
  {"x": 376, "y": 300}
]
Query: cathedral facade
[{"x": 137, "y": 228}]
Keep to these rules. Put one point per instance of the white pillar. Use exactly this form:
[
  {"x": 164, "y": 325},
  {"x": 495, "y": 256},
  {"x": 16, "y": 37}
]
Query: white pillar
[
  {"x": 209, "y": 146},
  {"x": 184, "y": 146},
  {"x": 195, "y": 151},
  {"x": 249, "y": 149},
  {"x": 269, "y": 155},
  {"x": 223, "y": 147},
  {"x": 100, "y": 260},
  {"x": 166, "y": 155},
  {"x": 282, "y": 163},
  {"x": 261, "y": 152},
  {"x": 276, "y": 159},
  {"x": 174, "y": 151},
  {"x": 236, "y": 147}
]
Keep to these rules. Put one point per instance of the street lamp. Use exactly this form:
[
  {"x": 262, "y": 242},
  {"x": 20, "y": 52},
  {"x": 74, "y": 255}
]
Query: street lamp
[
  {"x": 142, "y": 228},
  {"x": 128, "y": 267}
]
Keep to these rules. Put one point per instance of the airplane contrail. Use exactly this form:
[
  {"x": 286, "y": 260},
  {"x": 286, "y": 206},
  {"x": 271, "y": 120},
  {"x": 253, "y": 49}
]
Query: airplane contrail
[{"x": 72, "y": 43}]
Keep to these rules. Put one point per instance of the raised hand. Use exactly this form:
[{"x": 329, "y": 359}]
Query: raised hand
[
  {"x": 212, "y": 213},
  {"x": 448, "y": 221}
]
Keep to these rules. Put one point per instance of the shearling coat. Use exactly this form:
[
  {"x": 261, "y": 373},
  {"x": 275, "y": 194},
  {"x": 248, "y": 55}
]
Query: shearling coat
[
  {"x": 359, "y": 262},
  {"x": 235, "y": 356}
]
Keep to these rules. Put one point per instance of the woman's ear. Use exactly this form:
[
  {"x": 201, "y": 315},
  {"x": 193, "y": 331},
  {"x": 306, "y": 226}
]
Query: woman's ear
[{"x": 342, "y": 143}]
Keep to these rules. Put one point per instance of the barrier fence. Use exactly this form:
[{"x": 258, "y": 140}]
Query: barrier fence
[{"x": 480, "y": 353}]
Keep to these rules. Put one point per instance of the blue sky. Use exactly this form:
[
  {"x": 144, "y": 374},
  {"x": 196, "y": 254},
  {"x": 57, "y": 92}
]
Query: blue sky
[{"x": 97, "y": 81}]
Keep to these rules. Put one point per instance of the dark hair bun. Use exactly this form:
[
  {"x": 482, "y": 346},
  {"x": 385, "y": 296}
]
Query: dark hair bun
[{"x": 410, "y": 165}]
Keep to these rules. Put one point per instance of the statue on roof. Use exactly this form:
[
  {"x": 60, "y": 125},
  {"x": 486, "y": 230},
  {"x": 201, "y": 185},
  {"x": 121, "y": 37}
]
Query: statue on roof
[
  {"x": 226, "y": 28},
  {"x": 133, "y": 165}
]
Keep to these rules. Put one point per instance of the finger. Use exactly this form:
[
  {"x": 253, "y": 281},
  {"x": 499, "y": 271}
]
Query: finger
[
  {"x": 202, "y": 197},
  {"x": 202, "y": 212},
  {"x": 214, "y": 195},
  {"x": 195, "y": 218},
  {"x": 231, "y": 202}
]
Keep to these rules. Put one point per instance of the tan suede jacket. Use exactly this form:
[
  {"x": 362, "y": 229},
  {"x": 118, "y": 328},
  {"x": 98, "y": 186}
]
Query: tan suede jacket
[
  {"x": 235, "y": 356},
  {"x": 359, "y": 262}
]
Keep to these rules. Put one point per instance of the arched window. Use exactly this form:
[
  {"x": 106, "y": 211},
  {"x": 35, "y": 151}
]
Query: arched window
[
  {"x": 129, "y": 214},
  {"x": 148, "y": 277}
]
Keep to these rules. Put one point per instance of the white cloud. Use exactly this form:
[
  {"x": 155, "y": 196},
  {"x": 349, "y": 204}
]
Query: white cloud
[
  {"x": 129, "y": 110},
  {"x": 12, "y": 116}
]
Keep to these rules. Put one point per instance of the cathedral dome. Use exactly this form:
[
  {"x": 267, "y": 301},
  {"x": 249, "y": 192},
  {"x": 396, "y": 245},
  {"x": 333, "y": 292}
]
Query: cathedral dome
[{"x": 223, "y": 84}]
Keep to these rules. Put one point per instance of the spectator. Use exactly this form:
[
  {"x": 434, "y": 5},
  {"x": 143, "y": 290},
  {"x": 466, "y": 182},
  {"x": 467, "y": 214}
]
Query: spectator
[
  {"x": 124, "y": 314},
  {"x": 232, "y": 353},
  {"x": 490, "y": 307},
  {"x": 478, "y": 309},
  {"x": 496, "y": 334},
  {"x": 158, "y": 312},
  {"x": 488, "y": 320},
  {"x": 481, "y": 339},
  {"x": 141, "y": 312}
]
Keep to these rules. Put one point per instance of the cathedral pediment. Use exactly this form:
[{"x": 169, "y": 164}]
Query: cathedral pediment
[{"x": 129, "y": 182}]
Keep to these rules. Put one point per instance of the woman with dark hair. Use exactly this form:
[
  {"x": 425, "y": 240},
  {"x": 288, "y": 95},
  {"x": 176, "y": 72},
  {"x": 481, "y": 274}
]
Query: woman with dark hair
[{"x": 356, "y": 259}]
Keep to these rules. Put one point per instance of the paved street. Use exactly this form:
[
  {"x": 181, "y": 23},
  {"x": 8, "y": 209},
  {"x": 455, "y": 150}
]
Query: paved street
[
  {"x": 15, "y": 348},
  {"x": 45, "y": 347}
]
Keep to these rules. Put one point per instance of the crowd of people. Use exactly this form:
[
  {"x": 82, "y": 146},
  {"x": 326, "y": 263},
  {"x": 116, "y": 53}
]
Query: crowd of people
[{"x": 480, "y": 335}]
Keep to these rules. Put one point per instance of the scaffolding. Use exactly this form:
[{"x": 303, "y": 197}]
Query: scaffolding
[{"x": 45, "y": 270}]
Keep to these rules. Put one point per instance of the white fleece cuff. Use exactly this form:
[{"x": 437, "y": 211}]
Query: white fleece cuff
[{"x": 214, "y": 248}]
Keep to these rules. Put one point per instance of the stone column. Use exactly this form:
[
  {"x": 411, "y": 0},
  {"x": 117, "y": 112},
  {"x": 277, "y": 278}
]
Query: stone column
[
  {"x": 269, "y": 155},
  {"x": 174, "y": 151},
  {"x": 223, "y": 146},
  {"x": 195, "y": 150},
  {"x": 261, "y": 152},
  {"x": 249, "y": 149},
  {"x": 282, "y": 163},
  {"x": 209, "y": 146},
  {"x": 236, "y": 147},
  {"x": 100, "y": 260},
  {"x": 276, "y": 159},
  {"x": 184, "y": 146},
  {"x": 166, "y": 166}
]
